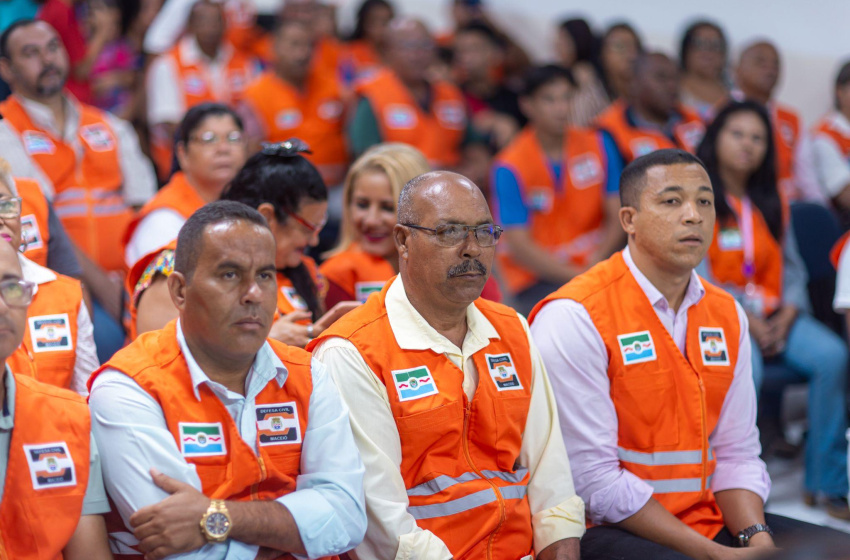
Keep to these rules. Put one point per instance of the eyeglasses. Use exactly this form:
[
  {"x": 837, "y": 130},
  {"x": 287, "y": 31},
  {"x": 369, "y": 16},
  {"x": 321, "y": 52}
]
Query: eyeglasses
[
  {"x": 10, "y": 208},
  {"x": 16, "y": 293},
  {"x": 311, "y": 227},
  {"x": 209, "y": 138},
  {"x": 710, "y": 45},
  {"x": 451, "y": 235}
]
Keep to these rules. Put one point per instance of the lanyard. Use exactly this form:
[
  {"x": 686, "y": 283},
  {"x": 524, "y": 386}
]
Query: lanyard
[{"x": 745, "y": 226}]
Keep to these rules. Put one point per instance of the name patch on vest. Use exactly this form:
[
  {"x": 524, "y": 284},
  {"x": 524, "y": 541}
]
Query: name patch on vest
[
  {"x": 400, "y": 116},
  {"x": 637, "y": 347},
  {"x": 540, "y": 199},
  {"x": 362, "y": 290},
  {"x": 642, "y": 146},
  {"x": 730, "y": 239},
  {"x": 51, "y": 465},
  {"x": 712, "y": 344},
  {"x": 585, "y": 170},
  {"x": 293, "y": 298},
  {"x": 692, "y": 134},
  {"x": 37, "y": 143},
  {"x": 450, "y": 113},
  {"x": 51, "y": 333},
  {"x": 30, "y": 233},
  {"x": 277, "y": 424},
  {"x": 501, "y": 367},
  {"x": 330, "y": 110},
  {"x": 98, "y": 137},
  {"x": 414, "y": 383},
  {"x": 193, "y": 84},
  {"x": 202, "y": 440},
  {"x": 289, "y": 118}
]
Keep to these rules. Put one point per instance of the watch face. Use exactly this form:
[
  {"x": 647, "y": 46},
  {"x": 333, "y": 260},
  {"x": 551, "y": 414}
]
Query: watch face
[{"x": 217, "y": 524}]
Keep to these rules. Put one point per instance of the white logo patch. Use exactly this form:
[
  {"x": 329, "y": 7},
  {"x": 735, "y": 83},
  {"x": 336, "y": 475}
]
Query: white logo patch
[
  {"x": 202, "y": 439},
  {"x": 98, "y": 137},
  {"x": 400, "y": 117},
  {"x": 277, "y": 424},
  {"x": 51, "y": 333},
  {"x": 293, "y": 298},
  {"x": 712, "y": 345},
  {"x": 51, "y": 465},
  {"x": 502, "y": 371},
  {"x": 30, "y": 233},
  {"x": 38, "y": 143}
]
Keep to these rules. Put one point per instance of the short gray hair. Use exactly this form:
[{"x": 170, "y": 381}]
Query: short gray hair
[{"x": 406, "y": 212}]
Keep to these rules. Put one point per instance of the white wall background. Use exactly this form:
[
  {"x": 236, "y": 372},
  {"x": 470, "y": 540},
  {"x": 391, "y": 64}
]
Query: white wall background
[{"x": 813, "y": 35}]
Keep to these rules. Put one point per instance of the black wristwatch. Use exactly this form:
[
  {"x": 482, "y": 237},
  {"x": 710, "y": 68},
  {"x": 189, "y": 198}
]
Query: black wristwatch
[{"x": 745, "y": 535}]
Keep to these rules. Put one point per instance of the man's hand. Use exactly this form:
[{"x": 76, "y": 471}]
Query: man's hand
[
  {"x": 287, "y": 329},
  {"x": 173, "y": 525},
  {"x": 729, "y": 553},
  {"x": 565, "y": 549},
  {"x": 779, "y": 325},
  {"x": 760, "y": 331}
]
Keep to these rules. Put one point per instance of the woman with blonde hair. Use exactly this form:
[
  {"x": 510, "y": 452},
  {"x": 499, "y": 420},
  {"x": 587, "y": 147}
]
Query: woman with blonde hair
[{"x": 366, "y": 256}]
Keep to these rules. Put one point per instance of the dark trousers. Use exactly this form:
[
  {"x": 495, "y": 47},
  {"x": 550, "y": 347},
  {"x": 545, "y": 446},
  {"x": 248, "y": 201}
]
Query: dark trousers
[{"x": 798, "y": 539}]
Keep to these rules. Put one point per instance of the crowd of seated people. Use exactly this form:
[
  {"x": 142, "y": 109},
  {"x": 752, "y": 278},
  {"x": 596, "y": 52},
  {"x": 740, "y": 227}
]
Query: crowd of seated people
[{"x": 408, "y": 294}]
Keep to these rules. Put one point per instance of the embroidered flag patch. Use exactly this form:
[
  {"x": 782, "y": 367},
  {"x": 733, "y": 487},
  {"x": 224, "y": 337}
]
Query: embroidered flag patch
[
  {"x": 400, "y": 116},
  {"x": 414, "y": 383},
  {"x": 642, "y": 146},
  {"x": 712, "y": 344},
  {"x": 98, "y": 137},
  {"x": 585, "y": 170},
  {"x": 636, "y": 347},
  {"x": 501, "y": 367},
  {"x": 37, "y": 143},
  {"x": 289, "y": 118},
  {"x": 51, "y": 465},
  {"x": 730, "y": 239},
  {"x": 451, "y": 114},
  {"x": 277, "y": 424},
  {"x": 362, "y": 290},
  {"x": 293, "y": 298},
  {"x": 193, "y": 84},
  {"x": 50, "y": 333},
  {"x": 201, "y": 440},
  {"x": 30, "y": 233}
]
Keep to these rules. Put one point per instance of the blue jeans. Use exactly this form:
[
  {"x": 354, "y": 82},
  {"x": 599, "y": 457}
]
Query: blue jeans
[
  {"x": 818, "y": 354},
  {"x": 108, "y": 334}
]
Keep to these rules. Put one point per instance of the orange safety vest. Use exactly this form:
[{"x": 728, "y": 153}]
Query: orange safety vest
[
  {"x": 205, "y": 432},
  {"x": 133, "y": 277},
  {"x": 826, "y": 128},
  {"x": 47, "y": 474},
  {"x": 288, "y": 299},
  {"x": 459, "y": 459},
  {"x": 314, "y": 115},
  {"x": 786, "y": 132},
  {"x": 88, "y": 182},
  {"x": 635, "y": 142},
  {"x": 35, "y": 220},
  {"x": 835, "y": 253},
  {"x": 359, "y": 60},
  {"x": 50, "y": 337},
  {"x": 197, "y": 87},
  {"x": 358, "y": 273},
  {"x": 727, "y": 259},
  {"x": 178, "y": 195},
  {"x": 667, "y": 404},
  {"x": 565, "y": 219},
  {"x": 437, "y": 134}
]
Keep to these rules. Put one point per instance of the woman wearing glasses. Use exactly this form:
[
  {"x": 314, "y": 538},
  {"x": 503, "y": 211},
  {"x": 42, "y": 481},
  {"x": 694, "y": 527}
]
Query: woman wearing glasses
[
  {"x": 58, "y": 346},
  {"x": 209, "y": 150}
]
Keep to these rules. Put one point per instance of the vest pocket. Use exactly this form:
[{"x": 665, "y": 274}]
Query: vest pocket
[
  {"x": 647, "y": 409},
  {"x": 511, "y": 414},
  {"x": 427, "y": 420}
]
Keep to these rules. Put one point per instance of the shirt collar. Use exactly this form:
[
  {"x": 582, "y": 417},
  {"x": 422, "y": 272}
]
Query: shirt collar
[
  {"x": 42, "y": 116},
  {"x": 191, "y": 52},
  {"x": 693, "y": 295},
  {"x": 840, "y": 122},
  {"x": 412, "y": 331},
  {"x": 35, "y": 273},
  {"x": 266, "y": 365},
  {"x": 7, "y": 414}
]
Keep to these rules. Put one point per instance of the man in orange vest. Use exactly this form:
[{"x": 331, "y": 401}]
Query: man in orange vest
[
  {"x": 450, "y": 403},
  {"x": 652, "y": 118},
  {"x": 831, "y": 144},
  {"x": 401, "y": 104},
  {"x": 52, "y": 495},
  {"x": 210, "y": 424},
  {"x": 202, "y": 67},
  {"x": 555, "y": 193},
  {"x": 652, "y": 375},
  {"x": 756, "y": 77},
  {"x": 295, "y": 99}
]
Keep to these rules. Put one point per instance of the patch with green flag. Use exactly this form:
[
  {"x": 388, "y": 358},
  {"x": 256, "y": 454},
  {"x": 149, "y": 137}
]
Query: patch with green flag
[
  {"x": 636, "y": 347},
  {"x": 202, "y": 439},
  {"x": 414, "y": 383},
  {"x": 362, "y": 290}
]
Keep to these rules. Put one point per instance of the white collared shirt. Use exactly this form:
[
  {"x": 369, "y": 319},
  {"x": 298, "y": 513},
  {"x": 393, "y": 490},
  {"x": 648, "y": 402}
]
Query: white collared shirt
[
  {"x": 327, "y": 506},
  {"x": 577, "y": 361},
  {"x": 832, "y": 167},
  {"x": 557, "y": 513},
  {"x": 86, "y": 351}
]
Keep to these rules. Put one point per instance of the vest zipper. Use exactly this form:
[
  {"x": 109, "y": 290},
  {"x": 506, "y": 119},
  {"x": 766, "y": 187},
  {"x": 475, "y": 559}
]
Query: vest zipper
[
  {"x": 255, "y": 488},
  {"x": 704, "y": 438},
  {"x": 502, "y": 514}
]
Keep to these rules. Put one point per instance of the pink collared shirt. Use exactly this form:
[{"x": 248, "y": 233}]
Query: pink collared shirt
[{"x": 577, "y": 363}]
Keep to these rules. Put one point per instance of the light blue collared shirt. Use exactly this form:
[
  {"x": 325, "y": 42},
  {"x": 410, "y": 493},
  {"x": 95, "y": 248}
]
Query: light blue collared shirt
[{"x": 328, "y": 505}]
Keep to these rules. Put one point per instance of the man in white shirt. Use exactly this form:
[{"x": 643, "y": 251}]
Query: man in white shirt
[
  {"x": 832, "y": 144},
  {"x": 208, "y": 407}
]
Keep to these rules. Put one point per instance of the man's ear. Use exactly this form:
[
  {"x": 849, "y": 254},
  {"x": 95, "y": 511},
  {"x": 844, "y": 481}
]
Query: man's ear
[
  {"x": 627, "y": 217},
  {"x": 401, "y": 235},
  {"x": 177, "y": 289}
]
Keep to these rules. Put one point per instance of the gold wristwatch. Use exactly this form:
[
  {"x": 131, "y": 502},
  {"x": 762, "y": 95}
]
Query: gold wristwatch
[{"x": 216, "y": 522}]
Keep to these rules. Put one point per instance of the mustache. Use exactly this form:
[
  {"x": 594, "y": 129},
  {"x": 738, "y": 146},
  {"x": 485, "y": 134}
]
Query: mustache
[
  {"x": 466, "y": 267},
  {"x": 48, "y": 69}
]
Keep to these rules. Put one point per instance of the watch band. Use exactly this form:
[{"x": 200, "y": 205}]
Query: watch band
[{"x": 748, "y": 533}]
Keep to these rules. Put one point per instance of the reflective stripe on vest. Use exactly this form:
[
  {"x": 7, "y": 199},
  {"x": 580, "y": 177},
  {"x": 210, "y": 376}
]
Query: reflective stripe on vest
[
  {"x": 467, "y": 503},
  {"x": 662, "y": 458},
  {"x": 678, "y": 485},
  {"x": 437, "y": 485}
]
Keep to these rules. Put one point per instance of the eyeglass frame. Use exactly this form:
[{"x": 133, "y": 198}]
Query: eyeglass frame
[
  {"x": 27, "y": 286},
  {"x": 497, "y": 232},
  {"x": 20, "y": 202},
  {"x": 217, "y": 139},
  {"x": 311, "y": 227}
]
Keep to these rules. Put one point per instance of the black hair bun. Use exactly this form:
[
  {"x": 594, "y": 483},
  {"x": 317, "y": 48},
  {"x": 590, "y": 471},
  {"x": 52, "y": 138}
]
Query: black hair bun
[{"x": 287, "y": 148}]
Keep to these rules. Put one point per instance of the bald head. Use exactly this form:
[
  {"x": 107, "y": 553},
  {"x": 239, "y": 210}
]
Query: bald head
[
  {"x": 410, "y": 49},
  {"x": 443, "y": 188},
  {"x": 758, "y": 71}
]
